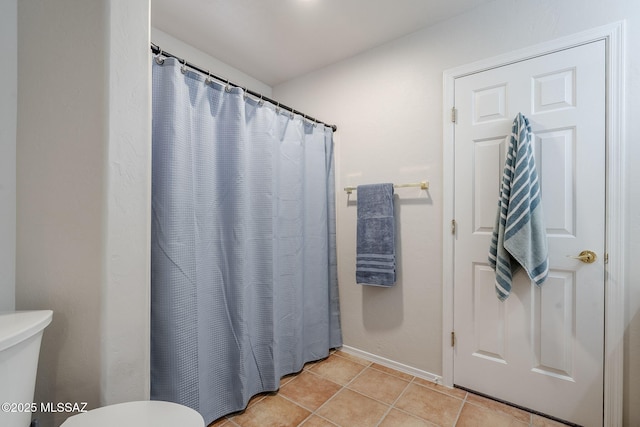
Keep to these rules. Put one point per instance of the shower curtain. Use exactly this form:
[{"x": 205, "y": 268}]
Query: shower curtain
[{"x": 243, "y": 257}]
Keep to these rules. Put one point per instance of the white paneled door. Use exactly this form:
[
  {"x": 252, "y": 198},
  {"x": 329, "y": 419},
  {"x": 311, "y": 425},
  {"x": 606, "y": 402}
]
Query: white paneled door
[{"x": 543, "y": 347}]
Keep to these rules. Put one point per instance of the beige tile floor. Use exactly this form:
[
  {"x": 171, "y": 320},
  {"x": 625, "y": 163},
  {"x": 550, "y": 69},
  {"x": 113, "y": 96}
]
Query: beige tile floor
[{"x": 347, "y": 391}]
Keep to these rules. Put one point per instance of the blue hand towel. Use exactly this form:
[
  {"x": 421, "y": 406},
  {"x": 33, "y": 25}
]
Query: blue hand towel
[
  {"x": 519, "y": 237},
  {"x": 376, "y": 253}
]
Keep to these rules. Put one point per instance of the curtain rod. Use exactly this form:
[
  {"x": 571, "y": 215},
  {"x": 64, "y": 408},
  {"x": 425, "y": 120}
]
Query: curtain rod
[{"x": 156, "y": 50}]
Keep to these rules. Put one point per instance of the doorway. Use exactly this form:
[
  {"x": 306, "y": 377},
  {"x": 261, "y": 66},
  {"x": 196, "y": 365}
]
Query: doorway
[{"x": 546, "y": 353}]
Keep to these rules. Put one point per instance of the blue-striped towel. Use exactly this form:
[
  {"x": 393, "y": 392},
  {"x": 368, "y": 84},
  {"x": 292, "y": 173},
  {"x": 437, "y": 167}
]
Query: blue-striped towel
[
  {"x": 519, "y": 234},
  {"x": 375, "y": 252}
]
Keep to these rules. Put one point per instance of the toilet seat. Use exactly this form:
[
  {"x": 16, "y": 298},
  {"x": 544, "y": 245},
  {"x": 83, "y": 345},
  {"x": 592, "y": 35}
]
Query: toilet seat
[{"x": 149, "y": 413}]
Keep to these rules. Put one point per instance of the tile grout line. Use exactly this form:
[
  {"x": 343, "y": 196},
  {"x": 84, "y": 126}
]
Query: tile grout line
[
  {"x": 393, "y": 405},
  {"x": 390, "y": 406},
  {"x": 464, "y": 402},
  {"x": 415, "y": 382},
  {"x": 342, "y": 387},
  {"x": 314, "y": 412},
  {"x": 345, "y": 386}
]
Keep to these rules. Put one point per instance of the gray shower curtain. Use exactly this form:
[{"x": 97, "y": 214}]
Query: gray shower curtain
[{"x": 243, "y": 251}]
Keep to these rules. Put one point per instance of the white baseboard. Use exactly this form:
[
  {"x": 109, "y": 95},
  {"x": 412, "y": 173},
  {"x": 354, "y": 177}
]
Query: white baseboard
[{"x": 393, "y": 364}]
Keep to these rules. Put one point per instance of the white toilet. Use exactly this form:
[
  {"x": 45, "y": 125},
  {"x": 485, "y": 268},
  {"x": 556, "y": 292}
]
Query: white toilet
[
  {"x": 20, "y": 338},
  {"x": 148, "y": 413}
]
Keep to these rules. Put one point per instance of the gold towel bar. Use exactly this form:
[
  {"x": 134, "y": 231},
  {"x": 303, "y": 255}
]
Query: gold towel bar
[{"x": 424, "y": 185}]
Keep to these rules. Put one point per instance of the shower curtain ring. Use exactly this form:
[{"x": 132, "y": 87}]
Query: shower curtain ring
[
  {"x": 208, "y": 80},
  {"x": 159, "y": 58},
  {"x": 278, "y": 108},
  {"x": 227, "y": 87},
  {"x": 261, "y": 102},
  {"x": 183, "y": 69}
]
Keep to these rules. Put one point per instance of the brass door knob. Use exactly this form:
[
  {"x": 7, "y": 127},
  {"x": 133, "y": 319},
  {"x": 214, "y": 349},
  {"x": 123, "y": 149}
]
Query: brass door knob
[{"x": 588, "y": 257}]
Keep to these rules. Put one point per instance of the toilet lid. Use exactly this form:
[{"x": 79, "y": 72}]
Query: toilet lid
[{"x": 152, "y": 413}]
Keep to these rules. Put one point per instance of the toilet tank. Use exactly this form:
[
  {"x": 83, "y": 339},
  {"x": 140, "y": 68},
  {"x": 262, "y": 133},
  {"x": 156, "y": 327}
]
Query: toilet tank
[{"x": 20, "y": 337}]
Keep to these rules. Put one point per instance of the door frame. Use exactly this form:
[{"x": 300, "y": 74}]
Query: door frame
[{"x": 613, "y": 34}]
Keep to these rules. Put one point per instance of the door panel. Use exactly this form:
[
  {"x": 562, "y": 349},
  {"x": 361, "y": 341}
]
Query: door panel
[
  {"x": 556, "y": 166},
  {"x": 542, "y": 348}
]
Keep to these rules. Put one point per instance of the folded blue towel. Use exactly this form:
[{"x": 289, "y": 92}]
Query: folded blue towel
[
  {"x": 376, "y": 252},
  {"x": 519, "y": 234}
]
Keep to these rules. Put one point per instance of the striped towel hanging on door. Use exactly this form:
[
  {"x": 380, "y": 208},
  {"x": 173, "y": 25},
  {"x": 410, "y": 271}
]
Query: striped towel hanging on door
[{"x": 519, "y": 237}]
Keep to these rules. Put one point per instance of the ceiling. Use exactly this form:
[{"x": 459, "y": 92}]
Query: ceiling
[{"x": 277, "y": 40}]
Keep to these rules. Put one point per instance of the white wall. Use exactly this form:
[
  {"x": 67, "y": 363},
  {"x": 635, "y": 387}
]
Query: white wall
[
  {"x": 83, "y": 155},
  {"x": 60, "y": 190},
  {"x": 205, "y": 61},
  {"x": 387, "y": 104},
  {"x": 8, "y": 106},
  {"x": 126, "y": 260}
]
